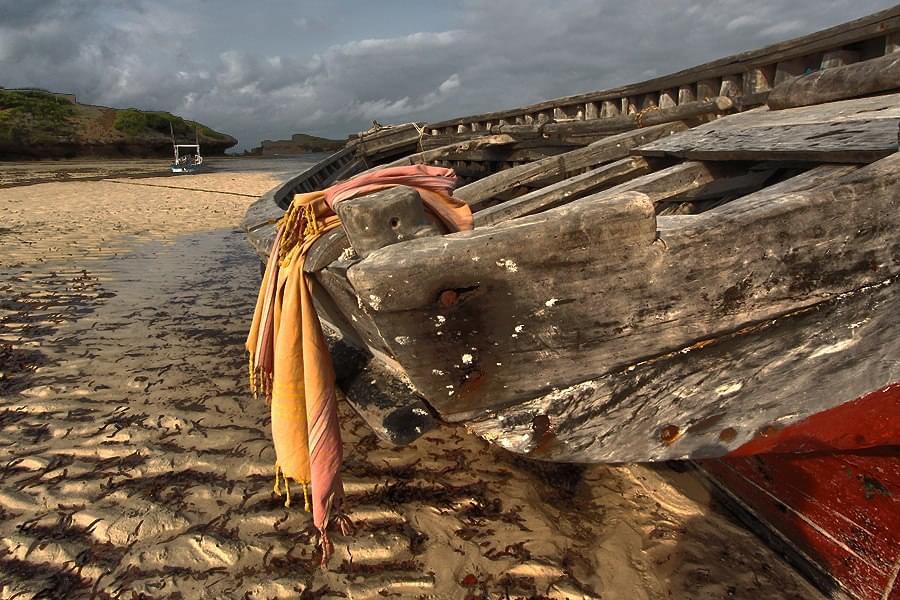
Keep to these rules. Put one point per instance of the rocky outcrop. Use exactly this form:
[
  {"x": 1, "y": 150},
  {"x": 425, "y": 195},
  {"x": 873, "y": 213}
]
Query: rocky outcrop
[
  {"x": 39, "y": 124},
  {"x": 300, "y": 143}
]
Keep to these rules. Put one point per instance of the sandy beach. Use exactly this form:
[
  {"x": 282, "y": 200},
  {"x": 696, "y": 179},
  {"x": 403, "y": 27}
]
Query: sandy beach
[{"x": 135, "y": 464}]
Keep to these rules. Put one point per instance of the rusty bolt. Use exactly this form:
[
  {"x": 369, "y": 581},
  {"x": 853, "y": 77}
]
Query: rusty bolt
[
  {"x": 728, "y": 434},
  {"x": 669, "y": 434},
  {"x": 448, "y": 298}
]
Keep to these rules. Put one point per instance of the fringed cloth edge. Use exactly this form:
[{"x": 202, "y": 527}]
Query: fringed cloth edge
[{"x": 289, "y": 361}]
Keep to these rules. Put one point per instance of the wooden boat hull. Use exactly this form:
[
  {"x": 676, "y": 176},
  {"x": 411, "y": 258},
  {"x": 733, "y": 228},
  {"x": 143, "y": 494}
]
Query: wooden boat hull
[
  {"x": 827, "y": 378},
  {"x": 653, "y": 293},
  {"x": 835, "y": 515}
]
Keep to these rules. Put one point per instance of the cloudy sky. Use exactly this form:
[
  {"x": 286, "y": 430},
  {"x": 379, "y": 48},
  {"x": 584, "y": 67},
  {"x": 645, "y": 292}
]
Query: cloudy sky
[{"x": 268, "y": 68}]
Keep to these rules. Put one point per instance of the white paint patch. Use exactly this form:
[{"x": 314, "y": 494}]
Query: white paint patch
[
  {"x": 374, "y": 301},
  {"x": 858, "y": 323},
  {"x": 420, "y": 411},
  {"x": 832, "y": 348},
  {"x": 728, "y": 389},
  {"x": 508, "y": 264},
  {"x": 467, "y": 359},
  {"x": 403, "y": 340},
  {"x": 437, "y": 372},
  {"x": 439, "y": 320},
  {"x": 551, "y": 302},
  {"x": 499, "y": 364},
  {"x": 476, "y": 258},
  {"x": 520, "y": 328}
]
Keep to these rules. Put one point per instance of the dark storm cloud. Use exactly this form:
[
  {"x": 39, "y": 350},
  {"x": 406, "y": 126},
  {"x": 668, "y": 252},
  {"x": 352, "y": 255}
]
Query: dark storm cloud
[{"x": 496, "y": 54}]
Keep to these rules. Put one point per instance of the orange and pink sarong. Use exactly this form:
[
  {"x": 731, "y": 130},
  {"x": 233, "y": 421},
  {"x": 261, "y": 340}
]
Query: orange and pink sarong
[{"x": 290, "y": 364}]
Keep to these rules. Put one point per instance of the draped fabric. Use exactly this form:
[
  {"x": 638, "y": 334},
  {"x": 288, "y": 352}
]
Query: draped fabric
[{"x": 290, "y": 364}]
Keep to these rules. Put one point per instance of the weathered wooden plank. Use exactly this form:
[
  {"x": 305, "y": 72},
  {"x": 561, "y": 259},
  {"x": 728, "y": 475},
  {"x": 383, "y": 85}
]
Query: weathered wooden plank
[
  {"x": 349, "y": 169},
  {"x": 859, "y": 79},
  {"x": 326, "y": 250},
  {"x": 614, "y": 125},
  {"x": 789, "y": 69},
  {"x": 892, "y": 42},
  {"x": 331, "y": 315},
  {"x": 709, "y": 399},
  {"x": 687, "y": 93},
  {"x": 838, "y": 58},
  {"x": 819, "y": 177},
  {"x": 859, "y": 141},
  {"x": 346, "y": 302},
  {"x": 262, "y": 212},
  {"x": 383, "y": 218},
  {"x": 669, "y": 184},
  {"x": 389, "y": 140},
  {"x": 717, "y": 192},
  {"x": 564, "y": 165},
  {"x": 860, "y": 130},
  {"x": 758, "y": 79},
  {"x": 564, "y": 191},
  {"x": 453, "y": 151},
  {"x": 539, "y": 288},
  {"x": 732, "y": 86},
  {"x": 433, "y": 142},
  {"x": 857, "y": 109},
  {"x": 382, "y": 397},
  {"x": 708, "y": 88}
]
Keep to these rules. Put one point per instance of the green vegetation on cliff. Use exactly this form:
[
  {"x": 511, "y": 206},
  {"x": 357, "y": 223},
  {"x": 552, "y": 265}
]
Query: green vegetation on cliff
[
  {"x": 41, "y": 124},
  {"x": 34, "y": 116},
  {"x": 136, "y": 123}
]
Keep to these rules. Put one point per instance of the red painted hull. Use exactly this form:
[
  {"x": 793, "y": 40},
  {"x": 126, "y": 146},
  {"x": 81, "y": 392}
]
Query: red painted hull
[
  {"x": 830, "y": 486},
  {"x": 868, "y": 422}
]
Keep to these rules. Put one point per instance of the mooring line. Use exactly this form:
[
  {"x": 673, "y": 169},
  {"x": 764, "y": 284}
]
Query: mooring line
[{"x": 175, "y": 187}]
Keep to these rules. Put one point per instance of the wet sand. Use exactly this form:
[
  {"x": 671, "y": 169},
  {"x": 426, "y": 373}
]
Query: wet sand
[{"x": 134, "y": 464}]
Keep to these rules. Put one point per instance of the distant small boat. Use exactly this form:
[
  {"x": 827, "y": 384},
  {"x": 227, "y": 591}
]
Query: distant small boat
[
  {"x": 187, "y": 156},
  {"x": 187, "y": 161}
]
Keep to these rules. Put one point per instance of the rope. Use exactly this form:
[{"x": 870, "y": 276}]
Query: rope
[
  {"x": 422, "y": 134},
  {"x": 639, "y": 117}
]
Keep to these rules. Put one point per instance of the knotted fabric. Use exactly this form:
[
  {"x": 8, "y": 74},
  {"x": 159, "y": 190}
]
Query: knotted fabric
[{"x": 290, "y": 364}]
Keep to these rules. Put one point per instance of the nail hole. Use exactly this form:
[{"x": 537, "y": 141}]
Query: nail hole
[
  {"x": 540, "y": 425},
  {"x": 395, "y": 222},
  {"x": 728, "y": 434}
]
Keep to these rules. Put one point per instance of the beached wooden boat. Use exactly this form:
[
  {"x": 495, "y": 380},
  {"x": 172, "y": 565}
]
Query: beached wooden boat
[
  {"x": 640, "y": 257},
  {"x": 701, "y": 266}
]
